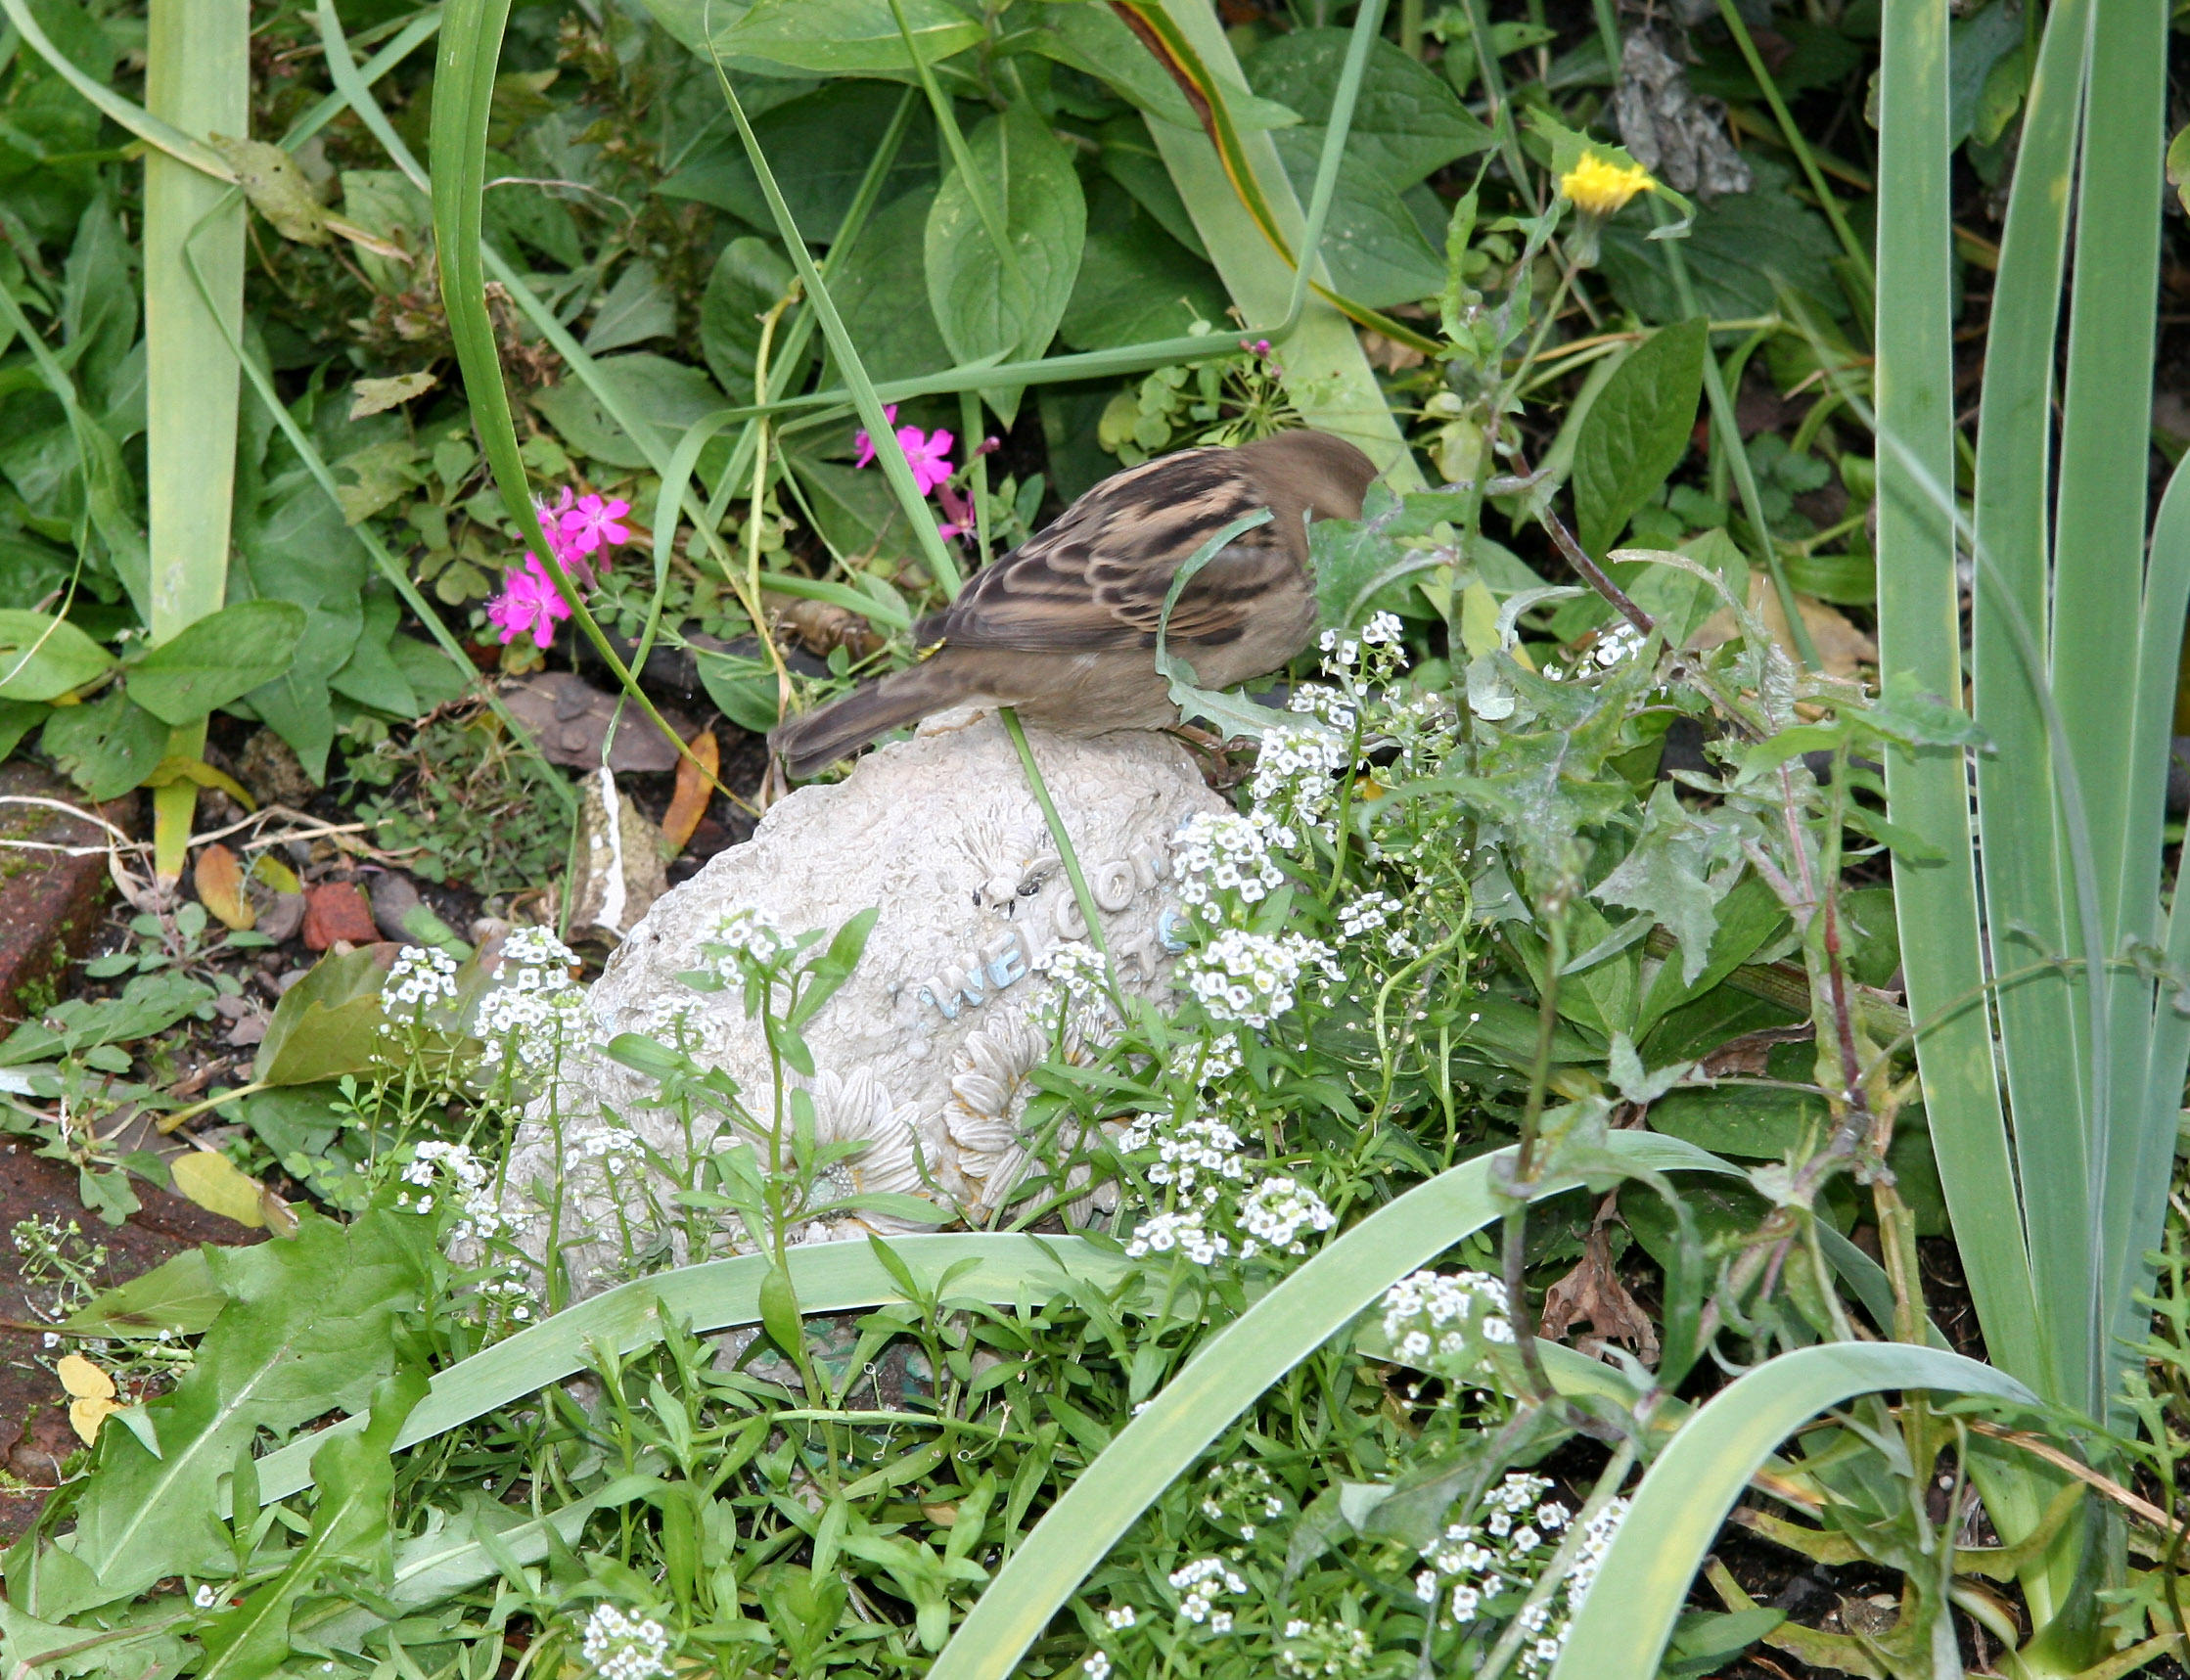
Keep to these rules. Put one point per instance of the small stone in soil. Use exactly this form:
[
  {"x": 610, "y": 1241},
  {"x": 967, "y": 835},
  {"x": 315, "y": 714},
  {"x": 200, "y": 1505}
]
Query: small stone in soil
[{"x": 336, "y": 910}]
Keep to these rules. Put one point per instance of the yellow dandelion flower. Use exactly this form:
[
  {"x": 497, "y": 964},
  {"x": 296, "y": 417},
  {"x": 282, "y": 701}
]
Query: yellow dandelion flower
[{"x": 1599, "y": 187}]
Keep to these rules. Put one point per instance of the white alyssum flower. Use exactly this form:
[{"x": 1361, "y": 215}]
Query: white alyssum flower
[
  {"x": 1223, "y": 852},
  {"x": 1252, "y": 977},
  {"x": 620, "y": 1647},
  {"x": 1277, "y": 1211},
  {"x": 1120, "y": 1616},
  {"x": 1197, "y": 1155},
  {"x": 422, "y": 976},
  {"x": 1383, "y": 628},
  {"x": 1469, "y": 1565},
  {"x": 746, "y": 935},
  {"x": 1245, "y": 1494},
  {"x": 1293, "y": 786},
  {"x": 465, "y": 1176},
  {"x": 1162, "y": 1233},
  {"x": 533, "y": 1010},
  {"x": 205, "y": 1598},
  {"x": 1208, "y": 1061},
  {"x": 1314, "y": 1651},
  {"x": 1201, "y": 1583},
  {"x": 1432, "y": 1312},
  {"x": 1097, "y": 1667},
  {"x": 1076, "y": 968}
]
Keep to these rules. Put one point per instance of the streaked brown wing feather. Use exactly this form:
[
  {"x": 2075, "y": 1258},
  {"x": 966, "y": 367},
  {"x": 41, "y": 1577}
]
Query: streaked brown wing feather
[{"x": 1098, "y": 577}]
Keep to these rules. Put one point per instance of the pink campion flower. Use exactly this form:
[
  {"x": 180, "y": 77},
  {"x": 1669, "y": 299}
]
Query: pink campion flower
[
  {"x": 592, "y": 522},
  {"x": 528, "y": 602},
  {"x": 866, "y": 444},
  {"x": 928, "y": 456},
  {"x": 958, "y": 514}
]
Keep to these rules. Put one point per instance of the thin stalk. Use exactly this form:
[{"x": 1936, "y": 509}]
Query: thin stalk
[{"x": 1085, "y": 899}]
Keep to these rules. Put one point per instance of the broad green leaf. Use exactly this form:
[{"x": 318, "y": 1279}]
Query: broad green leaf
[
  {"x": 1374, "y": 248},
  {"x": 1137, "y": 282},
  {"x": 18, "y": 718},
  {"x": 854, "y": 514},
  {"x": 848, "y": 38},
  {"x": 982, "y": 307},
  {"x": 326, "y": 1024},
  {"x": 356, "y": 1480},
  {"x": 42, "y": 658},
  {"x": 638, "y": 307},
  {"x": 307, "y": 1329},
  {"x": 108, "y": 746},
  {"x": 178, "y": 1297},
  {"x": 294, "y": 545},
  {"x": 881, "y": 289},
  {"x": 276, "y": 187},
  {"x": 1095, "y": 40},
  {"x": 750, "y": 277},
  {"x": 1407, "y": 124},
  {"x": 385, "y": 205},
  {"x": 1637, "y": 431},
  {"x": 779, "y": 1312},
  {"x": 1130, "y": 158},
  {"x": 1359, "y": 565},
  {"x": 670, "y": 395},
  {"x": 371, "y": 676},
  {"x": 820, "y": 146},
  {"x": 1742, "y": 247},
  {"x": 217, "y": 658}
]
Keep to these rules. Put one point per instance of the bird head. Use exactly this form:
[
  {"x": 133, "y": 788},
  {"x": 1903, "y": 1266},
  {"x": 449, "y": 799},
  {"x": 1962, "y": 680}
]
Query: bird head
[{"x": 1310, "y": 473}]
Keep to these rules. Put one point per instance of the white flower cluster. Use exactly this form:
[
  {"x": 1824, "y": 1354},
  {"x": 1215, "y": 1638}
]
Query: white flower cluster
[
  {"x": 1161, "y": 1233},
  {"x": 1208, "y": 1061},
  {"x": 1506, "y": 1554},
  {"x": 1377, "y": 913},
  {"x": 1276, "y": 1214},
  {"x": 746, "y": 935},
  {"x": 1195, "y": 1153},
  {"x": 1203, "y": 1582},
  {"x": 1332, "y": 708},
  {"x": 1314, "y": 1650},
  {"x": 465, "y": 1178},
  {"x": 1437, "y": 1313},
  {"x": 1292, "y": 787},
  {"x": 1097, "y": 1667},
  {"x": 1119, "y": 1618},
  {"x": 615, "y": 1144},
  {"x": 1221, "y": 851},
  {"x": 1244, "y": 1494},
  {"x": 1076, "y": 968},
  {"x": 422, "y": 975},
  {"x": 620, "y": 1647},
  {"x": 534, "y": 1002},
  {"x": 1251, "y": 977},
  {"x": 505, "y": 1297}
]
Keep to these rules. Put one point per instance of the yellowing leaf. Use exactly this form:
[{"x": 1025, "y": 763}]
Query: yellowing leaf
[
  {"x": 277, "y": 188},
  {"x": 83, "y": 1380},
  {"x": 212, "y": 1180},
  {"x": 694, "y": 788},
  {"x": 276, "y": 873},
  {"x": 91, "y": 1395},
  {"x": 219, "y": 881},
  {"x": 374, "y": 397}
]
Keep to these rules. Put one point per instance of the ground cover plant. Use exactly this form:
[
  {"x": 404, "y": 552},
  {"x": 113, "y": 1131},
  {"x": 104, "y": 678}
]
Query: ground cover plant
[{"x": 1660, "y": 1153}]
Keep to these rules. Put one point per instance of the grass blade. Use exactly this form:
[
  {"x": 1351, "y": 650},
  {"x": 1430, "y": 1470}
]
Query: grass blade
[
  {"x": 1620, "y": 1630},
  {"x": 1228, "y": 1374},
  {"x": 1920, "y": 635},
  {"x": 829, "y": 1276},
  {"x": 197, "y": 77}
]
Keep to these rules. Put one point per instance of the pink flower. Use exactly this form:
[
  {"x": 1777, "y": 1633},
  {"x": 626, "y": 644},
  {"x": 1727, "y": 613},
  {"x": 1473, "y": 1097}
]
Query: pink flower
[
  {"x": 528, "y": 602},
  {"x": 928, "y": 456},
  {"x": 592, "y": 522},
  {"x": 958, "y": 514},
  {"x": 867, "y": 444}
]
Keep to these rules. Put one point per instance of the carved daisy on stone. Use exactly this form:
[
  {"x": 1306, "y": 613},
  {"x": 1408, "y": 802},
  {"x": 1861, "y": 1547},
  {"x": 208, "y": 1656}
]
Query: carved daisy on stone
[
  {"x": 989, "y": 1089},
  {"x": 859, "y": 1108}
]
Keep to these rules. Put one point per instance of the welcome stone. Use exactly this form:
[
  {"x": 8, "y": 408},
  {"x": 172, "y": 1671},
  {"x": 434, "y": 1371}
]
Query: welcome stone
[{"x": 925, "y": 1052}]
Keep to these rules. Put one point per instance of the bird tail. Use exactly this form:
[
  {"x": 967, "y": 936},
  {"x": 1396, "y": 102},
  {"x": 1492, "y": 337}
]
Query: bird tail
[{"x": 810, "y": 743}]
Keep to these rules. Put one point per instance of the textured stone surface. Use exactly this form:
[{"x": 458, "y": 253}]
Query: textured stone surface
[
  {"x": 925, "y": 1050},
  {"x": 50, "y": 902}
]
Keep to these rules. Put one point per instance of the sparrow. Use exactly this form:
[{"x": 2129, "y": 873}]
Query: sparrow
[{"x": 1063, "y": 627}]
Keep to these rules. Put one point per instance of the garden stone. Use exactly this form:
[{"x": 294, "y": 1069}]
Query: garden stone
[{"x": 925, "y": 1051}]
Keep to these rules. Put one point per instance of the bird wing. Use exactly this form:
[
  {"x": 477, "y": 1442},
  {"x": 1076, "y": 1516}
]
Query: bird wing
[{"x": 1097, "y": 577}]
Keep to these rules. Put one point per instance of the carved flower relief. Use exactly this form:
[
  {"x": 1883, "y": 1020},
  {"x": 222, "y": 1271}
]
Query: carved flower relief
[
  {"x": 990, "y": 1090},
  {"x": 902, "y": 1155}
]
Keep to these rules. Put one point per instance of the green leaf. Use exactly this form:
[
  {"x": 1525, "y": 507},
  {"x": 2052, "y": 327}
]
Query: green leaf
[
  {"x": 43, "y": 657},
  {"x": 638, "y": 307},
  {"x": 670, "y": 395},
  {"x": 827, "y": 973},
  {"x": 881, "y": 289},
  {"x": 1137, "y": 282},
  {"x": 750, "y": 277},
  {"x": 108, "y": 746},
  {"x": 1130, "y": 158},
  {"x": 326, "y": 1024},
  {"x": 982, "y": 308},
  {"x": 1372, "y": 243},
  {"x": 149, "y": 1004},
  {"x": 821, "y": 145},
  {"x": 307, "y": 1329},
  {"x": 217, "y": 658},
  {"x": 1740, "y": 249},
  {"x": 848, "y": 38},
  {"x": 276, "y": 187},
  {"x": 1095, "y": 40},
  {"x": 1637, "y": 431},
  {"x": 1408, "y": 123},
  {"x": 177, "y": 1296},
  {"x": 1666, "y": 875},
  {"x": 779, "y": 1312},
  {"x": 294, "y": 545}
]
